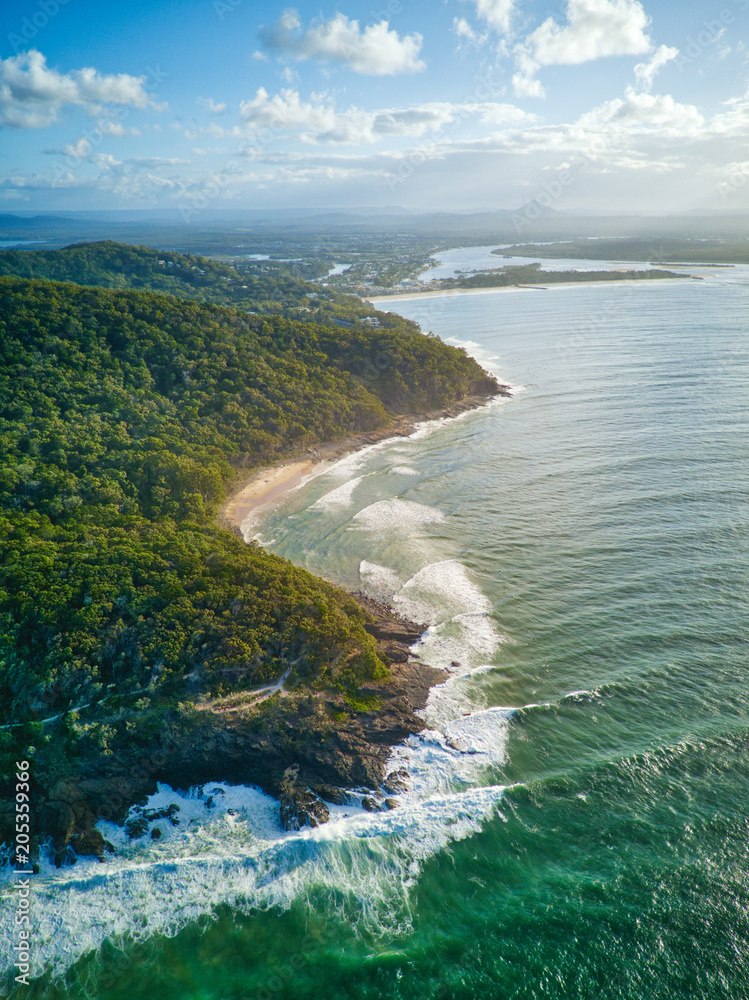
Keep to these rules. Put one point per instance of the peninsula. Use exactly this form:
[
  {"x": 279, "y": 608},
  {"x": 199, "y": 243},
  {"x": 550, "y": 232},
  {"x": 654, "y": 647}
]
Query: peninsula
[{"x": 140, "y": 639}]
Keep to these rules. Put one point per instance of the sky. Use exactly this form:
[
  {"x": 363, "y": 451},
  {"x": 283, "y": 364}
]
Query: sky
[{"x": 638, "y": 106}]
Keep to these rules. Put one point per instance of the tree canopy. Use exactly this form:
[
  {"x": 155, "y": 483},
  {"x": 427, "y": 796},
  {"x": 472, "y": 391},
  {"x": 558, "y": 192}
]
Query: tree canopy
[{"x": 124, "y": 417}]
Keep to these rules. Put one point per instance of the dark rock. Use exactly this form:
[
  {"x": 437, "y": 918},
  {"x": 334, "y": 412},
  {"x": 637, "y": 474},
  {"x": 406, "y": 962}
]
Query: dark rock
[
  {"x": 299, "y": 805},
  {"x": 302, "y": 808},
  {"x": 396, "y": 652},
  {"x": 338, "y": 796},
  {"x": 397, "y": 781},
  {"x": 89, "y": 843},
  {"x": 333, "y": 748},
  {"x": 371, "y": 805},
  {"x": 136, "y": 827},
  {"x": 391, "y": 803},
  {"x": 170, "y": 813},
  {"x": 156, "y": 833}
]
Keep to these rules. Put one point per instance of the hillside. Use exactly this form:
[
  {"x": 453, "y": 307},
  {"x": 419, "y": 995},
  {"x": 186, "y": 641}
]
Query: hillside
[
  {"x": 124, "y": 419},
  {"x": 107, "y": 264}
]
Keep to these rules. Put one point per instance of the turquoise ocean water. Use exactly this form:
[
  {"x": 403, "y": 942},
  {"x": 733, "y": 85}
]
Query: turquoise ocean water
[{"x": 578, "y": 825}]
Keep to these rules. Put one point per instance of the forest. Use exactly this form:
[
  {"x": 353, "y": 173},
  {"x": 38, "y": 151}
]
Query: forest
[
  {"x": 532, "y": 274},
  {"x": 107, "y": 264},
  {"x": 125, "y": 419}
]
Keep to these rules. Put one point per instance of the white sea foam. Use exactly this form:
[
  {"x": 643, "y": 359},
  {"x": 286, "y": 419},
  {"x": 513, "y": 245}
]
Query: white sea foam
[
  {"x": 439, "y": 590},
  {"x": 457, "y": 755},
  {"x": 461, "y": 643},
  {"x": 344, "y": 468},
  {"x": 426, "y": 428},
  {"x": 368, "y": 861},
  {"x": 378, "y": 581},
  {"x": 457, "y": 696},
  {"x": 341, "y": 496},
  {"x": 485, "y": 358},
  {"x": 396, "y": 515},
  {"x": 404, "y": 470}
]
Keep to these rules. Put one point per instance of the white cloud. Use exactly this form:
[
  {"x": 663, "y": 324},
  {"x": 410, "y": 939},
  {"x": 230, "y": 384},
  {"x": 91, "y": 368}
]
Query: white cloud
[
  {"x": 524, "y": 82},
  {"x": 214, "y": 107},
  {"x": 318, "y": 121},
  {"x": 496, "y": 13},
  {"x": 645, "y": 73},
  {"x": 645, "y": 111},
  {"x": 111, "y": 128},
  {"x": 106, "y": 161},
  {"x": 77, "y": 149},
  {"x": 32, "y": 95},
  {"x": 498, "y": 114},
  {"x": 286, "y": 111},
  {"x": 594, "y": 29},
  {"x": 158, "y": 161},
  {"x": 376, "y": 50},
  {"x": 463, "y": 30},
  {"x": 734, "y": 121}
]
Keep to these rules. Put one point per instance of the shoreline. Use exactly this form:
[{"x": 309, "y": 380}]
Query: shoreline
[
  {"x": 323, "y": 762},
  {"x": 413, "y": 294},
  {"x": 269, "y": 484}
]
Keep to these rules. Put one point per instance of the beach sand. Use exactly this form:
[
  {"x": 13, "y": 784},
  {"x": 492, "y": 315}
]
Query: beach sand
[
  {"x": 266, "y": 486},
  {"x": 269, "y": 484},
  {"x": 378, "y": 300}
]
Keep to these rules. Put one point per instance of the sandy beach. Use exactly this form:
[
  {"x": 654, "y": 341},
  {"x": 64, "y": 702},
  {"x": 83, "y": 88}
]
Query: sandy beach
[
  {"x": 266, "y": 486},
  {"x": 377, "y": 300},
  {"x": 270, "y": 483}
]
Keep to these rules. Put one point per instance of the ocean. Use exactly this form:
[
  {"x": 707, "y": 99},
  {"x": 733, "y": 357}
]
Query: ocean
[{"x": 578, "y": 821}]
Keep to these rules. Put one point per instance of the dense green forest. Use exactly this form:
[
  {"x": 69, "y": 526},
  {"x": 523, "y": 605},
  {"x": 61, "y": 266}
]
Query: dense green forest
[
  {"x": 276, "y": 289},
  {"x": 532, "y": 274},
  {"x": 658, "y": 249},
  {"x": 124, "y": 419}
]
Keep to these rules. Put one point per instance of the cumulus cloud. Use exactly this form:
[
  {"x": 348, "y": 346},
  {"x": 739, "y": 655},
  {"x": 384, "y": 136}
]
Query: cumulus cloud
[
  {"x": 594, "y": 29},
  {"x": 319, "y": 121},
  {"x": 376, "y": 50},
  {"x": 524, "y": 81},
  {"x": 646, "y": 111},
  {"x": 463, "y": 30},
  {"x": 496, "y": 13},
  {"x": 77, "y": 149},
  {"x": 646, "y": 72},
  {"x": 286, "y": 111},
  {"x": 215, "y": 107},
  {"x": 32, "y": 95}
]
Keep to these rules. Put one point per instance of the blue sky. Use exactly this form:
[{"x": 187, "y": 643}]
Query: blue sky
[{"x": 592, "y": 105}]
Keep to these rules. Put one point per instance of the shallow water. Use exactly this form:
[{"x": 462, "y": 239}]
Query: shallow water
[{"x": 578, "y": 822}]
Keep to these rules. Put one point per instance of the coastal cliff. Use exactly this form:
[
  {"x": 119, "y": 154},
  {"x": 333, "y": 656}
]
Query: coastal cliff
[{"x": 305, "y": 747}]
